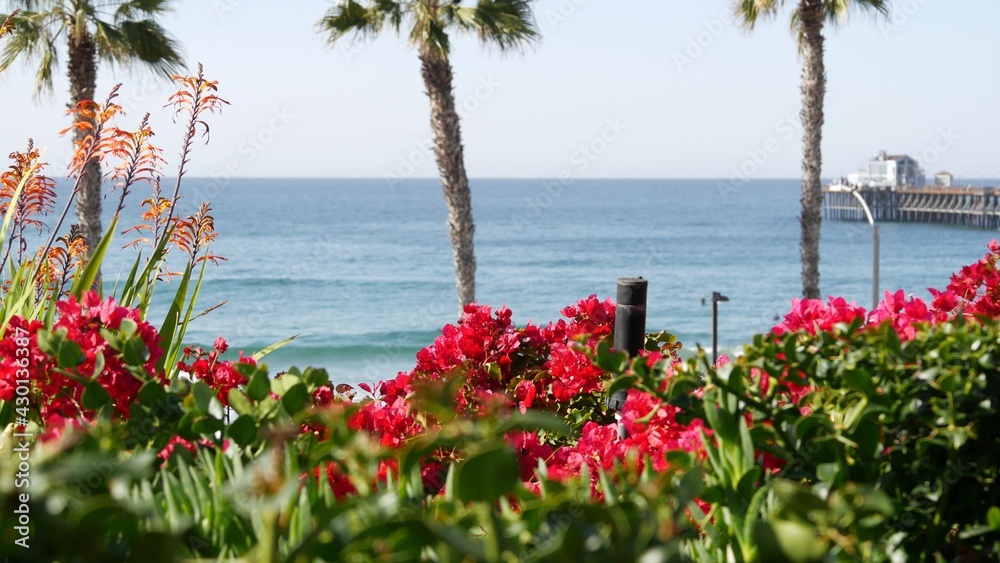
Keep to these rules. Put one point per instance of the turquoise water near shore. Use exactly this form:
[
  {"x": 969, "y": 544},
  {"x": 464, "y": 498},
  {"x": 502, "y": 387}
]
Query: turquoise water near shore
[{"x": 362, "y": 270}]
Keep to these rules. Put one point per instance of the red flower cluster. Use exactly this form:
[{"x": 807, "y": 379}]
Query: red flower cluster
[
  {"x": 483, "y": 345},
  {"x": 978, "y": 285},
  {"x": 973, "y": 291},
  {"x": 219, "y": 375},
  {"x": 812, "y": 315},
  {"x": 903, "y": 314},
  {"x": 548, "y": 368},
  {"x": 177, "y": 443},
  {"x": 543, "y": 368},
  {"x": 570, "y": 370},
  {"x": 654, "y": 430},
  {"x": 59, "y": 390},
  {"x": 506, "y": 365}
]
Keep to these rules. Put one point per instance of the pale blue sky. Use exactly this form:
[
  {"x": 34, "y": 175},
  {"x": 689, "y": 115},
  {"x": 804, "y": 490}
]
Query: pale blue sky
[{"x": 675, "y": 89}]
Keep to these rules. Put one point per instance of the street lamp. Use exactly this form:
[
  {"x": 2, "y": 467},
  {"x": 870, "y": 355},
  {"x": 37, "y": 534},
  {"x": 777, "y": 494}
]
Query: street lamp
[
  {"x": 875, "y": 244},
  {"x": 716, "y": 298},
  {"x": 630, "y": 334}
]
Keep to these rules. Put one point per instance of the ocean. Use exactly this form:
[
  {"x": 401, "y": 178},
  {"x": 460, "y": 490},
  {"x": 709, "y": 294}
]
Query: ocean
[{"x": 362, "y": 270}]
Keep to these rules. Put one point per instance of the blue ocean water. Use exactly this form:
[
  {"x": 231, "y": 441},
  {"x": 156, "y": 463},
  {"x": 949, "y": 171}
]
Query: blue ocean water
[{"x": 362, "y": 271}]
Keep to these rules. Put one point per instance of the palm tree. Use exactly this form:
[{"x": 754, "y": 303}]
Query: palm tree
[
  {"x": 505, "y": 24},
  {"x": 808, "y": 19},
  {"x": 118, "y": 32}
]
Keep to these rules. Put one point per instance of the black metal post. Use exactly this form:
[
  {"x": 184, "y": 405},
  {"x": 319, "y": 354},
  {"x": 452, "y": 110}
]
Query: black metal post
[
  {"x": 630, "y": 333},
  {"x": 716, "y": 298}
]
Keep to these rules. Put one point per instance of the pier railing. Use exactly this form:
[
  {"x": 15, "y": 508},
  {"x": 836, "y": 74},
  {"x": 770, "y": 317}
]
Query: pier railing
[{"x": 972, "y": 207}]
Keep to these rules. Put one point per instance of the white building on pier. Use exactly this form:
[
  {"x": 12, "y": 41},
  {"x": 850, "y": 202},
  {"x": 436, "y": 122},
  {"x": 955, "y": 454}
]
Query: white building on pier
[{"x": 889, "y": 172}]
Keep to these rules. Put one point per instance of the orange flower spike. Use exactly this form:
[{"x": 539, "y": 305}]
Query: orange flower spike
[
  {"x": 93, "y": 117},
  {"x": 78, "y": 248},
  {"x": 156, "y": 210},
  {"x": 195, "y": 97},
  {"x": 201, "y": 232},
  {"x": 141, "y": 160},
  {"x": 37, "y": 197},
  {"x": 63, "y": 260},
  {"x": 183, "y": 236}
]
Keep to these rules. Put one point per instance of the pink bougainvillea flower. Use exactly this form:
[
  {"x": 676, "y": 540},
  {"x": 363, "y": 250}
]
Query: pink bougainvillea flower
[
  {"x": 220, "y": 375},
  {"x": 85, "y": 322},
  {"x": 813, "y": 315}
]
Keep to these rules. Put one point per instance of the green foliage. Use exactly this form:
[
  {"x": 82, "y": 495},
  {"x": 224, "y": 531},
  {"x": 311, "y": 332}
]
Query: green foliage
[{"x": 893, "y": 454}]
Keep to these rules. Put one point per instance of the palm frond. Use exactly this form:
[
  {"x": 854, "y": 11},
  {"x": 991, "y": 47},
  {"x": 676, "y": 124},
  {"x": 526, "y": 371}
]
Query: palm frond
[
  {"x": 749, "y": 12},
  {"x": 838, "y": 11},
  {"x": 505, "y": 24},
  {"x": 148, "y": 42},
  {"x": 124, "y": 33},
  {"x": 348, "y": 17},
  {"x": 33, "y": 39},
  {"x": 43, "y": 76},
  {"x": 141, "y": 9},
  {"x": 26, "y": 5},
  {"x": 428, "y": 32}
]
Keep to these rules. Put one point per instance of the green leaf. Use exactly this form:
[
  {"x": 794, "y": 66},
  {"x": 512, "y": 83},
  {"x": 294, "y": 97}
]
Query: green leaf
[
  {"x": 799, "y": 499},
  {"x": 534, "y": 420},
  {"x": 84, "y": 281},
  {"x": 993, "y": 517},
  {"x": 259, "y": 385},
  {"x": 169, "y": 325},
  {"x": 99, "y": 364},
  {"x": 203, "y": 395},
  {"x": 621, "y": 383},
  {"x": 988, "y": 360},
  {"x": 722, "y": 422},
  {"x": 891, "y": 339},
  {"x": 860, "y": 380},
  {"x": 611, "y": 362},
  {"x": 460, "y": 542},
  {"x": 240, "y": 403},
  {"x": 95, "y": 396},
  {"x": 258, "y": 355},
  {"x": 128, "y": 327},
  {"x": 680, "y": 460},
  {"x": 747, "y": 487},
  {"x": 70, "y": 354},
  {"x": 134, "y": 351},
  {"x": 315, "y": 377},
  {"x": 243, "y": 430},
  {"x": 295, "y": 398},
  {"x": 283, "y": 383},
  {"x": 48, "y": 342},
  {"x": 488, "y": 475},
  {"x": 690, "y": 485},
  {"x": 152, "y": 393},
  {"x": 783, "y": 540},
  {"x": 829, "y": 472},
  {"x": 207, "y": 425}
]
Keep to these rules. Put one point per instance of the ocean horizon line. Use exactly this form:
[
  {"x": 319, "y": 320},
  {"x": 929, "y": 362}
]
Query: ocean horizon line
[
  {"x": 532, "y": 178},
  {"x": 471, "y": 179}
]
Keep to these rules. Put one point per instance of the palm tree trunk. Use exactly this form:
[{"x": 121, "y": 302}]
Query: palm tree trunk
[
  {"x": 437, "y": 75},
  {"x": 82, "y": 83},
  {"x": 813, "y": 91}
]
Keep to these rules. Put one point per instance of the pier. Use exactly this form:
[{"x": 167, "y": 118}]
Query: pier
[{"x": 971, "y": 207}]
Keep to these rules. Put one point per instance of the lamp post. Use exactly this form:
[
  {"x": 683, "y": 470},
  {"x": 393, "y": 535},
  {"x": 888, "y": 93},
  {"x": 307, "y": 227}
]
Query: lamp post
[
  {"x": 875, "y": 245},
  {"x": 716, "y": 298},
  {"x": 630, "y": 333}
]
